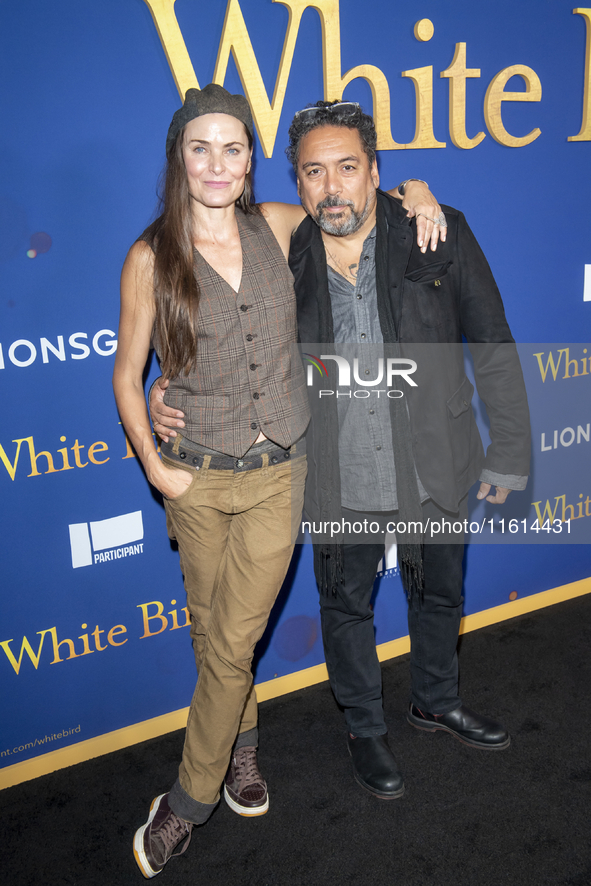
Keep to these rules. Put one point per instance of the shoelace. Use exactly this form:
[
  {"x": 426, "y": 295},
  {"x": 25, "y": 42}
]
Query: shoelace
[
  {"x": 246, "y": 761},
  {"x": 172, "y": 832}
]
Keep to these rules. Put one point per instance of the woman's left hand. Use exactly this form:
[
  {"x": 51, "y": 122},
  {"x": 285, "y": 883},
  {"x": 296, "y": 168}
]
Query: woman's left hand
[{"x": 422, "y": 205}]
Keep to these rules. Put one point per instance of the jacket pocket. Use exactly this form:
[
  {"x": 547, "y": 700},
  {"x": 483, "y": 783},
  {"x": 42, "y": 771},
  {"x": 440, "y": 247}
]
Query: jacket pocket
[
  {"x": 429, "y": 273},
  {"x": 427, "y": 289},
  {"x": 461, "y": 400}
]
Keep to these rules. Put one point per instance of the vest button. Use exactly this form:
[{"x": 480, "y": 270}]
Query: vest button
[
  {"x": 244, "y": 307},
  {"x": 182, "y": 454},
  {"x": 249, "y": 337},
  {"x": 255, "y": 396},
  {"x": 274, "y": 460},
  {"x": 253, "y": 425},
  {"x": 286, "y": 455}
]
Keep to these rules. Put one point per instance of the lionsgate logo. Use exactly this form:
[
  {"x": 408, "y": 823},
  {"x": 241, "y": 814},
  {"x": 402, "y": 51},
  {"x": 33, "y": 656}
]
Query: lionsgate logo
[
  {"x": 105, "y": 540},
  {"x": 23, "y": 353},
  {"x": 388, "y": 371}
]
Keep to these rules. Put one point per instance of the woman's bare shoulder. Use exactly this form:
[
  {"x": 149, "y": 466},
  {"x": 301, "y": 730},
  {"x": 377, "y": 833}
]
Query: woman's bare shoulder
[
  {"x": 283, "y": 219},
  {"x": 285, "y": 215},
  {"x": 137, "y": 275}
]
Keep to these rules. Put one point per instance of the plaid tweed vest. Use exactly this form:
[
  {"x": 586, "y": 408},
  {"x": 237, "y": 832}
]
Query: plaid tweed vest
[{"x": 246, "y": 378}]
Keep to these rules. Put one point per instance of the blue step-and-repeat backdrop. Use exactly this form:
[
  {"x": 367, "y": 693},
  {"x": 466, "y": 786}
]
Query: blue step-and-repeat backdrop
[{"x": 490, "y": 102}]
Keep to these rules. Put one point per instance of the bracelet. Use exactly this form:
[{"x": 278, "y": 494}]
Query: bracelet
[{"x": 402, "y": 185}]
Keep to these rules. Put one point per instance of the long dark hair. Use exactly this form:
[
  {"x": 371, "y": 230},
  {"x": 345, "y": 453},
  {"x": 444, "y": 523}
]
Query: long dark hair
[{"x": 176, "y": 293}]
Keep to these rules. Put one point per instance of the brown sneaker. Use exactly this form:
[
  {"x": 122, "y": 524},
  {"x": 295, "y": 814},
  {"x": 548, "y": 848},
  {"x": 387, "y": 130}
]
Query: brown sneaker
[
  {"x": 155, "y": 842},
  {"x": 245, "y": 790}
]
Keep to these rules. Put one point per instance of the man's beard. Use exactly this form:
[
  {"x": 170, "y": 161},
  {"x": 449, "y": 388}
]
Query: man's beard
[{"x": 333, "y": 225}]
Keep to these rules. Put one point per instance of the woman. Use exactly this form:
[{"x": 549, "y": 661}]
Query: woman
[{"x": 209, "y": 285}]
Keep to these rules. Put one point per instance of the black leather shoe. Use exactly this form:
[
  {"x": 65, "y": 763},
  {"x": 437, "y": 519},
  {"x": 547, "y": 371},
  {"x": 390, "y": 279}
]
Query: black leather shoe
[
  {"x": 374, "y": 766},
  {"x": 470, "y": 728}
]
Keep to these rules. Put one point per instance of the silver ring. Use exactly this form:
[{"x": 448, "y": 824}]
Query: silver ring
[{"x": 440, "y": 220}]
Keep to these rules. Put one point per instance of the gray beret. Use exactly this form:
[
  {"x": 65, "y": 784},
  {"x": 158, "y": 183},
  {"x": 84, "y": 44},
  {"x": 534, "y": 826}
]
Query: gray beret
[{"x": 212, "y": 99}]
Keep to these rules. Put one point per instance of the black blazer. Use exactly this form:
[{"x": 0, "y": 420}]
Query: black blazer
[{"x": 428, "y": 302}]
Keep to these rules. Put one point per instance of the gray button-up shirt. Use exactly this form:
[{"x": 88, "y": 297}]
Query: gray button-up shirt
[{"x": 366, "y": 453}]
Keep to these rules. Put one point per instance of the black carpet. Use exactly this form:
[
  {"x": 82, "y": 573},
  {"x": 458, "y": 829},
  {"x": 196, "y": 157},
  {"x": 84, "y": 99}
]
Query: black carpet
[{"x": 469, "y": 817}]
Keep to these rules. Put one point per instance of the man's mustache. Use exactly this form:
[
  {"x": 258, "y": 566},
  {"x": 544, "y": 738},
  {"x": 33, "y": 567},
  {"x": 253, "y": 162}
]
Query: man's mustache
[{"x": 333, "y": 201}]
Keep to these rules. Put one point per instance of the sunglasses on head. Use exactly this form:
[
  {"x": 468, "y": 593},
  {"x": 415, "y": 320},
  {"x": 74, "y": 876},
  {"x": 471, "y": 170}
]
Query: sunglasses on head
[{"x": 341, "y": 107}]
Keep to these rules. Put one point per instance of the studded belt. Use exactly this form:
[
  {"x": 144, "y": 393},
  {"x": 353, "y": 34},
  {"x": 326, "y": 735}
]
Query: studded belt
[{"x": 182, "y": 452}]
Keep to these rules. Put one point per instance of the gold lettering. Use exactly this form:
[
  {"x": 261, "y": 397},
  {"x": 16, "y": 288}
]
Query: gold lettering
[
  {"x": 56, "y": 647},
  {"x": 423, "y": 83},
  {"x": 76, "y": 450},
  {"x": 85, "y": 643},
  {"x": 549, "y": 363},
  {"x": 424, "y": 30},
  {"x": 457, "y": 74},
  {"x": 25, "y": 647},
  {"x": 565, "y": 508},
  {"x": 173, "y": 44},
  {"x": 235, "y": 39},
  {"x": 585, "y": 133},
  {"x": 34, "y": 456},
  {"x": 569, "y": 363},
  {"x": 101, "y": 447},
  {"x": 11, "y": 467},
  {"x": 334, "y": 83},
  {"x": 64, "y": 454},
  {"x": 149, "y": 618},
  {"x": 548, "y": 514},
  {"x": 118, "y": 629},
  {"x": 496, "y": 95},
  {"x": 96, "y": 634},
  {"x": 175, "y": 618}
]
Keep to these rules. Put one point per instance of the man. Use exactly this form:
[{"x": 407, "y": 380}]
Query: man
[{"x": 361, "y": 278}]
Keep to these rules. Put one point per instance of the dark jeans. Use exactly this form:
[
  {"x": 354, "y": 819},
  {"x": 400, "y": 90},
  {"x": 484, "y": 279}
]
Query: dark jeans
[{"x": 433, "y": 622}]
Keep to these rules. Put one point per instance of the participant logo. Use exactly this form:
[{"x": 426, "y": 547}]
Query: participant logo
[{"x": 105, "y": 540}]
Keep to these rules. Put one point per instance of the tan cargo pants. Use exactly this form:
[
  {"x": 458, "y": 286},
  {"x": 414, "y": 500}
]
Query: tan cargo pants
[{"x": 235, "y": 534}]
